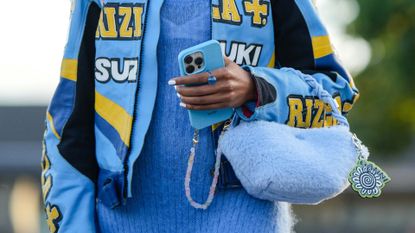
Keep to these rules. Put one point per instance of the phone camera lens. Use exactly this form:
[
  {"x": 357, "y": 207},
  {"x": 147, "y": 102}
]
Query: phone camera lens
[
  {"x": 188, "y": 59},
  {"x": 198, "y": 61},
  {"x": 190, "y": 69}
]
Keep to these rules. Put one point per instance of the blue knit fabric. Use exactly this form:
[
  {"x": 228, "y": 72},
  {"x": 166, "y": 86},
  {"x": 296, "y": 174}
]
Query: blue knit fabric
[{"x": 159, "y": 203}]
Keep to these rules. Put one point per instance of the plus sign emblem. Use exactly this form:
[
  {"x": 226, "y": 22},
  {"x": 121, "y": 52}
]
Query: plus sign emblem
[
  {"x": 258, "y": 9},
  {"x": 53, "y": 216}
]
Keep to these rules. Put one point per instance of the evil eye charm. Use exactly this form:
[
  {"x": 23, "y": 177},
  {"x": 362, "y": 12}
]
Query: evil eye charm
[{"x": 368, "y": 179}]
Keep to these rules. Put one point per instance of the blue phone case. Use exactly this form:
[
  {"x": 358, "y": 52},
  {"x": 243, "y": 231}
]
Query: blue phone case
[{"x": 213, "y": 59}]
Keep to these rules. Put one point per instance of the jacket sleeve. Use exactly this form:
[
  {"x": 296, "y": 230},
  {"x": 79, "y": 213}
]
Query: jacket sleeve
[
  {"x": 302, "y": 47},
  {"x": 69, "y": 167},
  {"x": 301, "y": 43},
  {"x": 264, "y": 92}
]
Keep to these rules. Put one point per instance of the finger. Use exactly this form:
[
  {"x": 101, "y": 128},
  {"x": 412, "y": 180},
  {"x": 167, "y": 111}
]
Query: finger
[
  {"x": 190, "y": 79},
  {"x": 201, "y": 90},
  {"x": 205, "y": 107},
  {"x": 206, "y": 99},
  {"x": 197, "y": 78},
  {"x": 227, "y": 60}
]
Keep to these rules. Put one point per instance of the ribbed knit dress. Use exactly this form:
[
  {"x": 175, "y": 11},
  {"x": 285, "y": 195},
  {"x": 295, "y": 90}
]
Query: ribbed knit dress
[{"x": 159, "y": 204}]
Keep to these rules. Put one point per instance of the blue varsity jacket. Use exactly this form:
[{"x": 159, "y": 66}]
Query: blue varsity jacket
[{"x": 98, "y": 117}]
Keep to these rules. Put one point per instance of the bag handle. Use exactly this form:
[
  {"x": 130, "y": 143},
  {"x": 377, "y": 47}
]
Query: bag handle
[{"x": 322, "y": 94}]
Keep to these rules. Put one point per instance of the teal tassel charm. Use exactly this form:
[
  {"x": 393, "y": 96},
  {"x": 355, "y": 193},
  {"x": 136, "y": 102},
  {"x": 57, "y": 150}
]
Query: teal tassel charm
[{"x": 366, "y": 177}]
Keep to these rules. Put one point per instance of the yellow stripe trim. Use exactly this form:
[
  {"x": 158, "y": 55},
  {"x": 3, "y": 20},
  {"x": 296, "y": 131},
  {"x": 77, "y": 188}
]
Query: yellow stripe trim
[
  {"x": 272, "y": 61},
  {"x": 215, "y": 126},
  {"x": 321, "y": 46},
  {"x": 52, "y": 125},
  {"x": 115, "y": 115},
  {"x": 69, "y": 69}
]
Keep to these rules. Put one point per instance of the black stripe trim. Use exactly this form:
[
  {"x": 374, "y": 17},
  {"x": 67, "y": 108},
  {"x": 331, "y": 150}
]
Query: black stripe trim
[
  {"x": 331, "y": 74},
  {"x": 293, "y": 45},
  {"x": 77, "y": 144}
]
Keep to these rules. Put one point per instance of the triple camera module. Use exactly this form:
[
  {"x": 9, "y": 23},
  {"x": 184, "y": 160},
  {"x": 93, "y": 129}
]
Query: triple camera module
[{"x": 194, "y": 62}]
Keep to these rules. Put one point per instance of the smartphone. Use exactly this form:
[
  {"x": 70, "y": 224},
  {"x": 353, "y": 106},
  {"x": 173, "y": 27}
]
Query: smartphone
[{"x": 203, "y": 57}]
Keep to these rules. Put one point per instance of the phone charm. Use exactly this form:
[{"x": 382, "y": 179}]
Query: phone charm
[{"x": 366, "y": 177}]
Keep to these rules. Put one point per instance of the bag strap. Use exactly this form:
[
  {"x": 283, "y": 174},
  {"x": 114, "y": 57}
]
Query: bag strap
[{"x": 322, "y": 94}]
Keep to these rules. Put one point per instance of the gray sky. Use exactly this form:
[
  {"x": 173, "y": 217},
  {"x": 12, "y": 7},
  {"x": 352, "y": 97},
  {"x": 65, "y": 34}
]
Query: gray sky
[{"x": 32, "y": 46}]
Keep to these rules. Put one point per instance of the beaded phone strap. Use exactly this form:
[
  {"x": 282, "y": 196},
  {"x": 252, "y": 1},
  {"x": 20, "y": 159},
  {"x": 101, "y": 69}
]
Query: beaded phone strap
[{"x": 216, "y": 172}]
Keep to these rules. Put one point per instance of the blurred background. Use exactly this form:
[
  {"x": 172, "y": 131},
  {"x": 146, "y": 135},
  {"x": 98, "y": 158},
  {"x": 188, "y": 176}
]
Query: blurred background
[{"x": 375, "y": 40}]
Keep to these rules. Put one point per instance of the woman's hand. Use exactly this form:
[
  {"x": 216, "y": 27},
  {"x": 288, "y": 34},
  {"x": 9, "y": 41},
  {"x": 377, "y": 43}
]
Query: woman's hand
[{"x": 233, "y": 87}]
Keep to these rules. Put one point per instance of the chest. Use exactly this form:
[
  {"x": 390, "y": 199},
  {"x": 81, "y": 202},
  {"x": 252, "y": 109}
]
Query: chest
[{"x": 244, "y": 28}]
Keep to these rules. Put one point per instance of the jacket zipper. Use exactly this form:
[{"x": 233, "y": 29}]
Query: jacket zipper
[
  {"x": 125, "y": 165},
  {"x": 211, "y": 18},
  {"x": 214, "y": 138}
]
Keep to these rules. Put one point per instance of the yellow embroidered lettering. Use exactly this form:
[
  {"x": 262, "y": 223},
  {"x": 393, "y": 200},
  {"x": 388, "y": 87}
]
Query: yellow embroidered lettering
[
  {"x": 53, "y": 215},
  {"x": 296, "y": 118},
  {"x": 309, "y": 105},
  {"x": 318, "y": 119},
  {"x": 230, "y": 11},
  {"x": 107, "y": 28},
  {"x": 121, "y": 22},
  {"x": 125, "y": 30},
  {"x": 258, "y": 9},
  {"x": 138, "y": 12}
]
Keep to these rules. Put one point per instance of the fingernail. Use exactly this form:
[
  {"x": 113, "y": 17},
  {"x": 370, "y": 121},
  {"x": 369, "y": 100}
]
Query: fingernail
[
  {"x": 172, "y": 82},
  {"x": 175, "y": 87},
  {"x": 182, "y": 104},
  {"x": 178, "y": 95}
]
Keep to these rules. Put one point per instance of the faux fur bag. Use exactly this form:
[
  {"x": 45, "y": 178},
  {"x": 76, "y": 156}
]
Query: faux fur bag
[
  {"x": 277, "y": 162},
  {"x": 292, "y": 164}
]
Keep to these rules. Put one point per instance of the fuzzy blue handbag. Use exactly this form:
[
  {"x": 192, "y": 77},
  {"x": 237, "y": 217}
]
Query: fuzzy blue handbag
[
  {"x": 304, "y": 166},
  {"x": 277, "y": 162}
]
